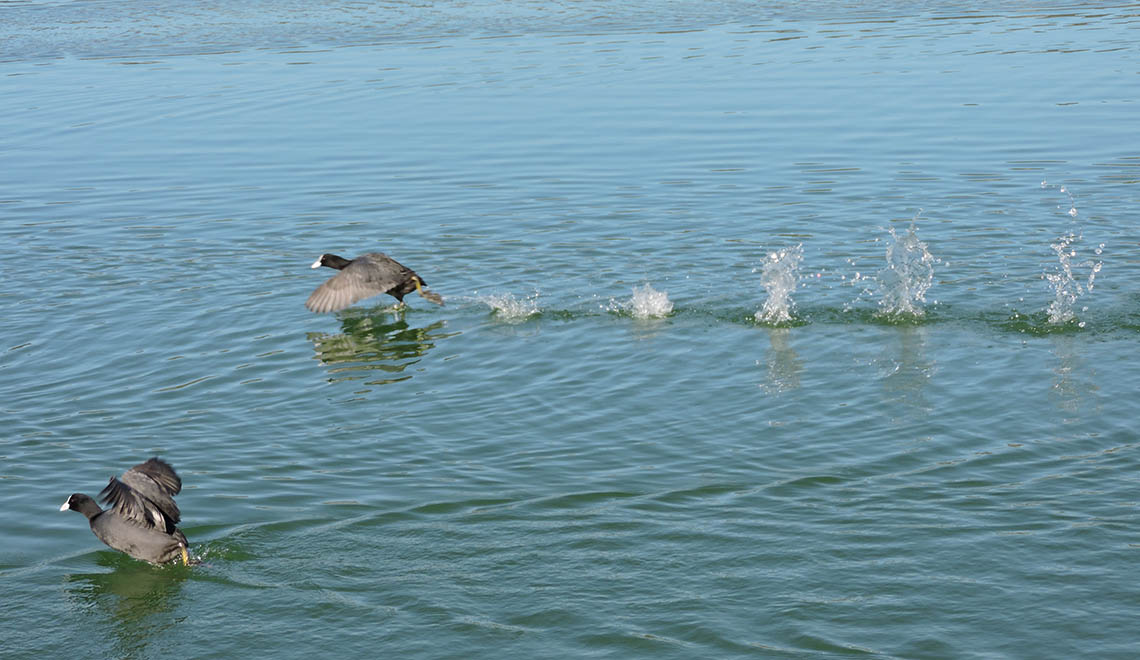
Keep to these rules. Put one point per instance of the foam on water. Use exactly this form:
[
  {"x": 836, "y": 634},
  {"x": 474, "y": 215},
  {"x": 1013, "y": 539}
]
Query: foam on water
[
  {"x": 779, "y": 276},
  {"x": 908, "y": 275},
  {"x": 646, "y": 303},
  {"x": 509, "y": 308}
]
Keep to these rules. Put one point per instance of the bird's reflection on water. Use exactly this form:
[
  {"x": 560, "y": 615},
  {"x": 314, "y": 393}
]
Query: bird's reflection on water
[
  {"x": 376, "y": 347},
  {"x": 138, "y": 599}
]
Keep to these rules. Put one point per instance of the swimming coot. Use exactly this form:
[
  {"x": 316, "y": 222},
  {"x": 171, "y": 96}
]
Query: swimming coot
[
  {"x": 365, "y": 276},
  {"x": 142, "y": 517}
]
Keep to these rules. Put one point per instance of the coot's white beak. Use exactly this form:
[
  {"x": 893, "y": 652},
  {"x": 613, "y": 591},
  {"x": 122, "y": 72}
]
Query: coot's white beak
[
  {"x": 65, "y": 507},
  {"x": 316, "y": 264}
]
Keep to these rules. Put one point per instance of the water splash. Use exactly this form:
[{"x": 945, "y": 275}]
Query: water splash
[
  {"x": 779, "y": 276},
  {"x": 646, "y": 303},
  {"x": 1072, "y": 202},
  {"x": 509, "y": 308},
  {"x": 1067, "y": 285},
  {"x": 908, "y": 275},
  {"x": 1068, "y": 280}
]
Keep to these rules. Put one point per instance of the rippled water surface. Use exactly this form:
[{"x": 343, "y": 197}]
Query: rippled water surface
[{"x": 632, "y": 430}]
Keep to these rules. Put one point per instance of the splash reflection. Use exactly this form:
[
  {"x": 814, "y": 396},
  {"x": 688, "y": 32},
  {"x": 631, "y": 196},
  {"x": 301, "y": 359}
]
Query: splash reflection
[
  {"x": 1074, "y": 386},
  {"x": 906, "y": 373},
  {"x": 375, "y": 349},
  {"x": 784, "y": 365}
]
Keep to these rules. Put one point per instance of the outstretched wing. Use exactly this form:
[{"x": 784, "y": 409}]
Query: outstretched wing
[
  {"x": 146, "y": 495},
  {"x": 368, "y": 275}
]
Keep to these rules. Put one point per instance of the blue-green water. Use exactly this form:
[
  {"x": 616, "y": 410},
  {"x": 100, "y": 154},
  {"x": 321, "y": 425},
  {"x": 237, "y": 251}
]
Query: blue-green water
[{"x": 534, "y": 470}]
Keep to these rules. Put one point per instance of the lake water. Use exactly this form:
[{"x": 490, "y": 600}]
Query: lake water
[{"x": 771, "y": 331}]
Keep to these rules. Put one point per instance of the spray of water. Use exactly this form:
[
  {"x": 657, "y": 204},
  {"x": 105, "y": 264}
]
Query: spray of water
[
  {"x": 1068, "y": 280},
  {"x": 908, "y": 274},
  {"x": 1072, "y": 201},
  {"x": 1068, "y": 285},
  {"x": 509, "y": 308},
  {"x": 646, "y": 303},
  {"x": 779, "y": 276}
]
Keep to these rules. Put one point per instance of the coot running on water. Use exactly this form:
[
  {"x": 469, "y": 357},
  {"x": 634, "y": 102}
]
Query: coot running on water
[{"x": 363, "y": 277}]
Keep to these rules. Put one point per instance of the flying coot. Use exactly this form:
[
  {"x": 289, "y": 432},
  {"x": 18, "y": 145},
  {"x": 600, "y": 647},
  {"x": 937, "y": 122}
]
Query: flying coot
[
  {"x": 363, "y": 277},
  {"x": 142, "y": 515}
]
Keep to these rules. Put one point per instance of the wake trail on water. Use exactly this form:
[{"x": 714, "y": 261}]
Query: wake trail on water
[{"x": 902, "y": 283}]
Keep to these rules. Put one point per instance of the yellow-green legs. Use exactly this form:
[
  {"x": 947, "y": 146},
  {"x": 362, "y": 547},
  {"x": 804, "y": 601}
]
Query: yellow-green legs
[{"x": 185, "y": 557}]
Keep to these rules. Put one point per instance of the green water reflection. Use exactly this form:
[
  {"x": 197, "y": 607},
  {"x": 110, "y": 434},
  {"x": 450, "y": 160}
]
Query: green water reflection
[
  {"x": 377, "y": 348},
  {"x": 136, "y": 599}
]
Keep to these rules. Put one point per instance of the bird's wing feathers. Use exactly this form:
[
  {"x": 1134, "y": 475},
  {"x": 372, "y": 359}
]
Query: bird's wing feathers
[
  {"x": 368, "y": 275},
  {"x": 146, "y": 495},
  {"x": 340, "y": 291},
  {"x": 154, "y": 473}
]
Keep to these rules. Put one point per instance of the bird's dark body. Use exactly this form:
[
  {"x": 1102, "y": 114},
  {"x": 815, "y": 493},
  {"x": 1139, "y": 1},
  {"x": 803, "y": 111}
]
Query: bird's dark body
[
  {"x": 142, "y": 518},
  {"x": 363, "y": 277},
  {"x": 139, "y": 541}
]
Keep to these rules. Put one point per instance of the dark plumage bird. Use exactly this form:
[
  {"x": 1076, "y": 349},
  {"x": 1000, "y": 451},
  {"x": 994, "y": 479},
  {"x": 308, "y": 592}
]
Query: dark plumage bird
[
  {"x": 142, "y": 517},
  {"x": 365, "y": 276}
]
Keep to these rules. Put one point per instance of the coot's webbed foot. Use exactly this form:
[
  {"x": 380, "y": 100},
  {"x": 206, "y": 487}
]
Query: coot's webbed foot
[{"x": 427, "y": 295}]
